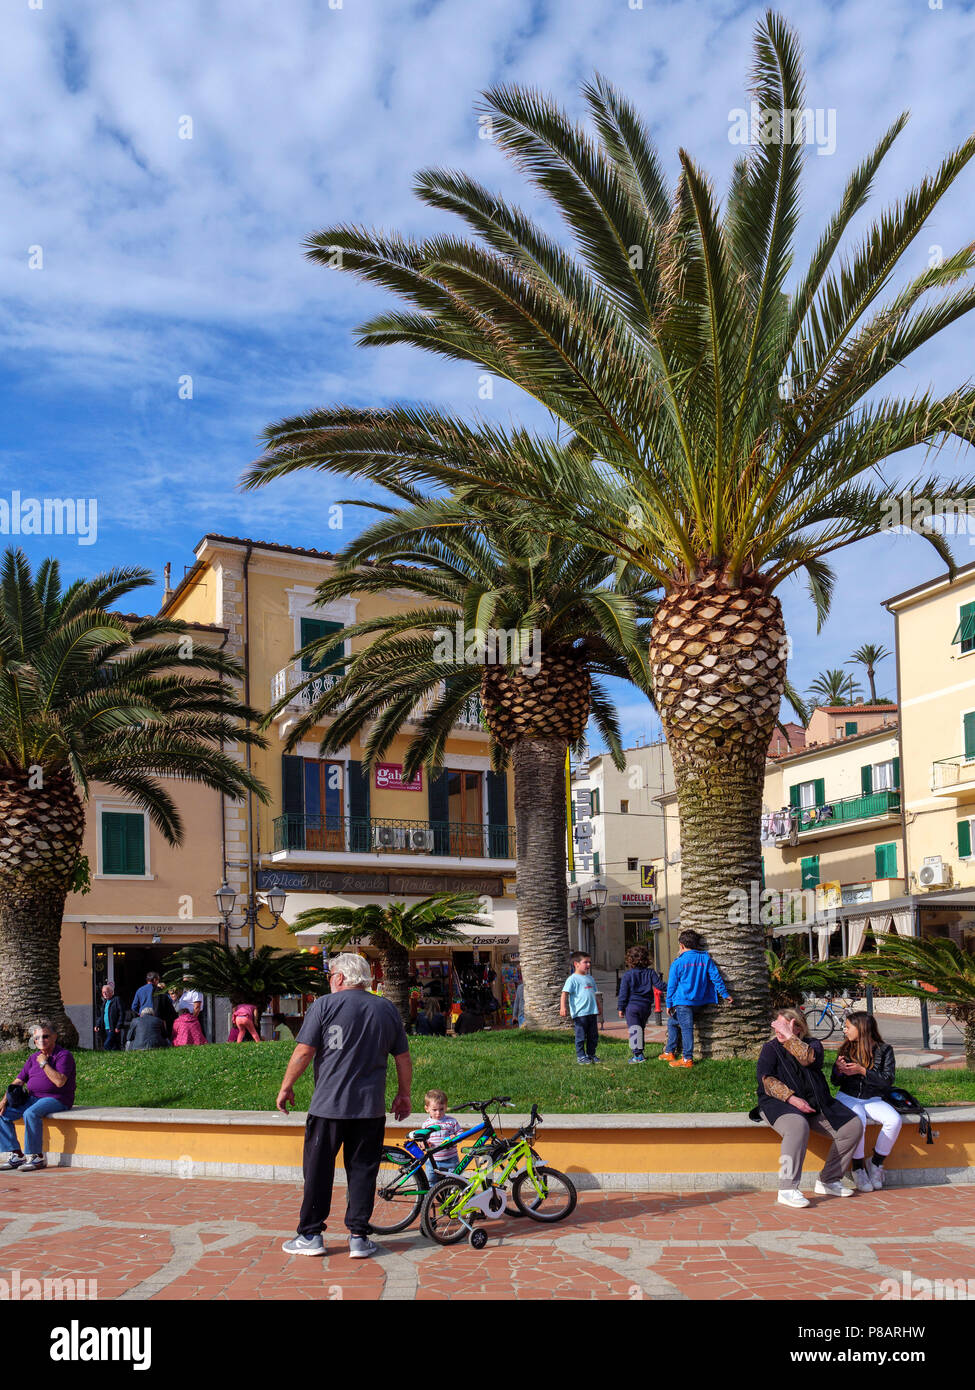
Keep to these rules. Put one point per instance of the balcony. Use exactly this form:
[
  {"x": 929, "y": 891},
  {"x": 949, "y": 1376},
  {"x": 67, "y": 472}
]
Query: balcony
[
  {"x": 954, "y": 777},
  {"x": 336, "y": 838},
  {"x": 292, "y": 676},
  {"x": 874, "y": 807}
]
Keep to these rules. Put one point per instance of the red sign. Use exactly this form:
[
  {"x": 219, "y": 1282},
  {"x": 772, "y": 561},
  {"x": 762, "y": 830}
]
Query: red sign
[{"x": 391, "y": 775}]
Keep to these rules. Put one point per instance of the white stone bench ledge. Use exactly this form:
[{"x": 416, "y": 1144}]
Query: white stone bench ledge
[{"x": 273, "y": 1119}]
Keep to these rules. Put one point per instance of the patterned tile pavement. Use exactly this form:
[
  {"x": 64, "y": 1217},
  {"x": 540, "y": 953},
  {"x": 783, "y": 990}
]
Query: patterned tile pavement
[{"x": 162, "y": 1238}]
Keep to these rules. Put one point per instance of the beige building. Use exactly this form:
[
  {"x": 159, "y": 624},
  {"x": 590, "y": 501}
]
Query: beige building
[
  {"x": 146, "y": 897},
  {"x": 935, "y": 630},
  {"x": 618, "y": 834},
  {"x": 332, "y": 835}
]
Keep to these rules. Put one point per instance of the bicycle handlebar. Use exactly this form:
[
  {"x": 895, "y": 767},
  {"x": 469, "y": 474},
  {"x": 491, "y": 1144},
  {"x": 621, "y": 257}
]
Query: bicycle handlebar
[{"x": 483, "y": 1105}]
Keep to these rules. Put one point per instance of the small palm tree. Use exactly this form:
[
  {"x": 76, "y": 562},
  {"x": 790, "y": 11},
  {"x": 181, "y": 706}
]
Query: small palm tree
[
  {"x": 488, "y": 570},
  {"x": 933, "y": 969},
  {"x": 241, "y": 975},
  {"x": 394, "y": 931},
  {"x": 835, "y": 687},
  {"x": 87, "y": 695},
  {"x": 725, "y": 407},
  {"x": 870, "y": 655},
  {"x": 792, "y": 975}
]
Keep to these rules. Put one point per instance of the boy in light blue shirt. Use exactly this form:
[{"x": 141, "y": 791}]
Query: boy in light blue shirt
[{"x": 579, "y": 1001}]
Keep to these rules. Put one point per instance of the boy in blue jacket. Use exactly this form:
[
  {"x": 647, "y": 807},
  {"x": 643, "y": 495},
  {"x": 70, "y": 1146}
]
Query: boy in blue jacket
[
  {"x": 635, "y": 999},
  {"x": 694, "y": 980}
]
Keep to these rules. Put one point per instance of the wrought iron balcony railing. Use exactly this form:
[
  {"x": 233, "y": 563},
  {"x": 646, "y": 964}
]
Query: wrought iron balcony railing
[{"x": 362, "y": 835}]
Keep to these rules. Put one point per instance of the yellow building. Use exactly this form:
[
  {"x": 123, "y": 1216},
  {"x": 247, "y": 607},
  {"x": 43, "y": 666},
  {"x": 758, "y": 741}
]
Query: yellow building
[
  {"x": 935, "y": 641},
  {"x": 331, "y": 835}
]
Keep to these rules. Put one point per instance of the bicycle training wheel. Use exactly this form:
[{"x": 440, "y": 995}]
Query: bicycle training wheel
[
  {"x": 546, "y": 1195},
  {"x": 399, "y": 1193},
  {"x": 436, "y": 1220}
]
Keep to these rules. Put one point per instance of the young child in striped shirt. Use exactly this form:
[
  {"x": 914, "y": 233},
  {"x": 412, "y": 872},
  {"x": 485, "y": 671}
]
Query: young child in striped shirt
[{"x": 441, "y": 1126}]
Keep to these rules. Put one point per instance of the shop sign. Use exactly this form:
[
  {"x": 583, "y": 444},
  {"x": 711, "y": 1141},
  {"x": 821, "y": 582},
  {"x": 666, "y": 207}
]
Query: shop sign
[
  {"x": 633, "y": 899},
  {"x": 648, "y": 876},
  {"x": 857, "y": 893},
  {"x": 390, "y": 776},
  {"x": 419, "y": 885}
]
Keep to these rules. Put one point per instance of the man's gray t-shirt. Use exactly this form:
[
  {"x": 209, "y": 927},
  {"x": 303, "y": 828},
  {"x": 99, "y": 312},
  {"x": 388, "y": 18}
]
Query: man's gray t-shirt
[{"x": 353, "y": 1034}]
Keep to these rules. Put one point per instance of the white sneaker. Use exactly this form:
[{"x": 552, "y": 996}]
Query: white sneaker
[
  {"x": 862, "y": 1179},
  {"x": 832, "y": 1189},
  {"x": 792, "y": 1197},
  {"x": 876, "y": 1175}
]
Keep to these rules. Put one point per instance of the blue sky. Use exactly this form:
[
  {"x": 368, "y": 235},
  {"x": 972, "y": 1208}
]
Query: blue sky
[{"x": 164, "y": 258}]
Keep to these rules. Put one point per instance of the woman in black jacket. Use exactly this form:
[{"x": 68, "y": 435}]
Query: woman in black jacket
[
  {"x": 864, "y": 1072},
  {"x": 794, "y": 1097}
]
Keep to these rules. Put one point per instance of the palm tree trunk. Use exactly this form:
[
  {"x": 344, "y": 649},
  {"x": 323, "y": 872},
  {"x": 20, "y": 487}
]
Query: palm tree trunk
[
  {"x": 31, "y": 907},
  {"x": 396, "y": 975},
  {"x": 970, "y": 1039},
  {"x": 873, "y": 687},
  {"x": 542, "y": 893},
  {"x": 720, "y": 814}
]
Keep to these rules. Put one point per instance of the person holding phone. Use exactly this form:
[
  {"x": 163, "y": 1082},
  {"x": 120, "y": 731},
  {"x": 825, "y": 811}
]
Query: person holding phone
[{"x": 794, "y": 1098}]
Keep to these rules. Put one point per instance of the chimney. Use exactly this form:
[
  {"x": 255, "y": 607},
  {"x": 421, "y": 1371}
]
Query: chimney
[{"x": 167, "y": 586}]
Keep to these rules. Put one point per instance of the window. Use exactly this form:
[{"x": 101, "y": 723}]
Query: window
[
  {"x": 631, "y": 865},
  {"x": 595, "y": 863},
  {"x": 810, "y": 871},
  {"x": 594, "y": 795},
  {"x": 624, "y": 807},
  {"x": 850, "y": 728},
  {"x": 124, "y": 843},
  {"x": 886, "y": 861},
  {"x": 965, "y": 839},
  {"x": 806, "y": 795},
  {"x": 311, "y": 630},
  {"x": 968, "y": 725},
  {"x": 880, "y": 777},
  {"x": 965, "y": 631}
]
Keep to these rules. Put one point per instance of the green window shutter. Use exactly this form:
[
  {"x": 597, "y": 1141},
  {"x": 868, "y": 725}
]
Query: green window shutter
[
  {"x": 123, "y": 843},
  {"x": 311, "y": 630},
  {"x": 866, "y": 780},
  {"x": 810, "y": 871},
  {"x": 965, "y": 632},
  {"x": 820, "y": 791},
  {"x": 595, "y": 863},
  {"x": 595, "y": 803},
  {"x": 885, "y": 857},
  {"x": 850, "y": 728},
  {"x": 964, "y": 839},
  {"x": 897, "y": 774},
  {"x": 794, "y": 796},
  {"x": 970, "y": 735},
  {"x": 761, "y": 872}
]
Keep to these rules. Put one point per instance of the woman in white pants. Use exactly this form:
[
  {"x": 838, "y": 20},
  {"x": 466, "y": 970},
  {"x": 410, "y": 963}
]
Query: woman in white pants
[{"x": 864, "y": 1072}]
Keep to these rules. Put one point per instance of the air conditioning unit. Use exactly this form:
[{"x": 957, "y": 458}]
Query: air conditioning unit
[
  {"x": 934, "y": 873},
  {"x": 386, "y": 837},
  {"x": 419, "y": 840}
]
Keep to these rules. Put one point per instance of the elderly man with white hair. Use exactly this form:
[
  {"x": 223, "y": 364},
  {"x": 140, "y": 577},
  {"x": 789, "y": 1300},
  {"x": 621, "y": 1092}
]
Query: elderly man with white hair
[{"x": 350, "y": 1035}]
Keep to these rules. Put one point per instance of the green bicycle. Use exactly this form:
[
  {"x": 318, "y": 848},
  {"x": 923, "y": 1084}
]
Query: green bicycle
[
  {"x": 452, "y": 1206},
  {"x": 402, "y": 1182}
]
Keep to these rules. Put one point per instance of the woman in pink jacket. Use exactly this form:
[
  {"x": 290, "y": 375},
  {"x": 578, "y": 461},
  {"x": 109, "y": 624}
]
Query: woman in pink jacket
[{"x": 187, "y": 1029}]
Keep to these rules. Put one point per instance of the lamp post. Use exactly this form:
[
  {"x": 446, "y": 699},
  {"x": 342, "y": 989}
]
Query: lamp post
[
  {"x": 227, "y": 901},
  {"x": 596, "y": 893},
  {"x": 599, "y": 893}
]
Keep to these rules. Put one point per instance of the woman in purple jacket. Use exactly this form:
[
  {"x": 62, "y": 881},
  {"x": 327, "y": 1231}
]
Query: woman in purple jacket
[{"x": 49, "y": 1077}]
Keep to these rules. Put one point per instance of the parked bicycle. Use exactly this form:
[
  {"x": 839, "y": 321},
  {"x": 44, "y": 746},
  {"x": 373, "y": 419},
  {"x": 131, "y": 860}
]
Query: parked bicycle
[
  {"x": 402, "y": 1183},
  {"x": 824, "y": 1019},
  {"x": 453, "y": 1205}
]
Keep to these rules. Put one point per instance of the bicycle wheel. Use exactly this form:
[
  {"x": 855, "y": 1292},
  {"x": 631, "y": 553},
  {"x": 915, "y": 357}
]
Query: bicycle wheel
[
  {"x": 546, "y": 1195},
  {"x": 821, "y": 1023},
  {"x": 399, "y": 1192},
  {"x": 436, "y": 1220}
]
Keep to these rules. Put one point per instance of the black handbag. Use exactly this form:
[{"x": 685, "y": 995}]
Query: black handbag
[
  {"x": 17, "y": 1095},
  {"x": 906, "y": 1104}
]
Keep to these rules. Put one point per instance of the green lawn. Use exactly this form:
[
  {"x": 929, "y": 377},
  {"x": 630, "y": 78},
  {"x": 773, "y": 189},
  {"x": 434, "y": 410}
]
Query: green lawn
[{"x": 527, "y": 1066}]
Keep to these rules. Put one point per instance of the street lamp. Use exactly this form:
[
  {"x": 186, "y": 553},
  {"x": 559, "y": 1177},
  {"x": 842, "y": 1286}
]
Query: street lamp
[{"x": 227, "y": 899}]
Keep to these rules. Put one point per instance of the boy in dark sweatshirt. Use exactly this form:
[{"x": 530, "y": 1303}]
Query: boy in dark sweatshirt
[{"x": 635, "y": 999}]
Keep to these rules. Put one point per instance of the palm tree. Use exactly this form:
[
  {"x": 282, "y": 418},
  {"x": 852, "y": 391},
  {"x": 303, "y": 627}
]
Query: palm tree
[
  {"x": 241, "y": 975},
  {"x": 936, "y": 968},
  {"x": 87, "y": 695},
  {"x": 723, "y": 432},
  {"x": 490, "y": 571},
  {"x": 394, "y": 931},
  {"x": 835, "y": 687},
  {"x": 870, "y": 655}
]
